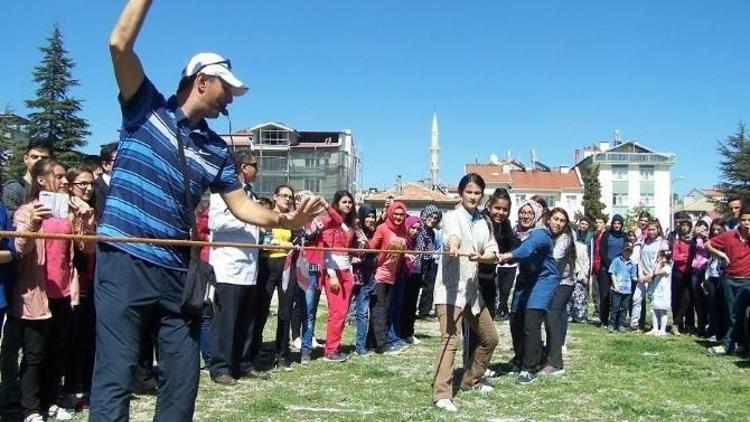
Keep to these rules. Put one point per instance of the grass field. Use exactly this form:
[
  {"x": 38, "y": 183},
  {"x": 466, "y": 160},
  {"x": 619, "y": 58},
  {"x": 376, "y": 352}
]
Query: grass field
[{"x": 609, "y": 377}]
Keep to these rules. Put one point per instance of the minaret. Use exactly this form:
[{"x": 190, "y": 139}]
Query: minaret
[{"x": 435, "y": 153}]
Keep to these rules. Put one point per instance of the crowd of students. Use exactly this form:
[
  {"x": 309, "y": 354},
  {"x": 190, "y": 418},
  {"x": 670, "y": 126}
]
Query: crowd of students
[{"x": 462, "y": 269}]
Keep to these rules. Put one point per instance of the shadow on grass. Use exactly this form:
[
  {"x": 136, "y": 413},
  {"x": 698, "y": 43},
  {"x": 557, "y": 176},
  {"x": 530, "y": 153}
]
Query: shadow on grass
[{"x": 742, "y": 364}]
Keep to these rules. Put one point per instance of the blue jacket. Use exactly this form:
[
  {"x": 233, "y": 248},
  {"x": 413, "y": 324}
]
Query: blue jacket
[
  {"x": 7, "y": 271},
  {"x": 538, "y": 277},
  {"x": 625, "y": 272}
]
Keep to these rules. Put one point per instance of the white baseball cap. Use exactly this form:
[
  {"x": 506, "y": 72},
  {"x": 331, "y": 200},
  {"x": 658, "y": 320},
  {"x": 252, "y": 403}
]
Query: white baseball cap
[{"x": 213, "y": 64}]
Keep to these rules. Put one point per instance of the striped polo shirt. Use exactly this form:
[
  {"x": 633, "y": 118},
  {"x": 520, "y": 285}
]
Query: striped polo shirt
[{"x": 146, "y": 195}]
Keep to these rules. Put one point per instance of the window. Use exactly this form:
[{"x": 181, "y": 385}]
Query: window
[
  {"x": 619, "y": 173},
  {"x": 274, "y": 137},
  {"x": 647, "y": 173},
  {"x": 520, "y": 198},
  {"x": 551, "y": 201},
  {"x": 312, "y": 185},
  {"x": 270, "y": 163},
  {"x": 647, "y": 199},
  {"x": 620, "y": 200},
  {"x": 312, "y": 162}
]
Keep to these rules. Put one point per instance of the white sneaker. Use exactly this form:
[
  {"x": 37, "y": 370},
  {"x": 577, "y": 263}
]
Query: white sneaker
[
  {"x": 446, "y": 404},
  {"x": 489, "y": 373},
  {"x": 413, "y": 340},
  {"x": 653, "y": 332},
  {"x": 34, "y": 417},
  {"x": 58, "y": 413},
  {"x": 297, "y": 343},
  {"x": 484, "y": 387},
  {"x": 315, "y": 344}
]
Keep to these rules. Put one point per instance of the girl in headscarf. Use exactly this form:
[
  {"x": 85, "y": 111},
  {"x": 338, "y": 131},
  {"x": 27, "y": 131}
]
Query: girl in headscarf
[
  {"x": 391, "y": 235},
  {"x": 610, "y": 246},
  {"x": 427, "y": 264},
  {"x": 412, "y": 282},
  {"x": 364, "y": 267}
]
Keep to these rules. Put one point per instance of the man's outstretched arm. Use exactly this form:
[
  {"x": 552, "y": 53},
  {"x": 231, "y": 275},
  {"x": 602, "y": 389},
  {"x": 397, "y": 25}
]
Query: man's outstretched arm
[{"x": 127, "y": 66}]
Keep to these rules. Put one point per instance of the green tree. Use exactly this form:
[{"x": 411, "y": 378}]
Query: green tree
[
  {"x": 735, "y": 163},
  {"x": 631, "y": 219},
  {"x": 56, "y": 118},
  {"x": 12, "y": 143},
  {"x": 593, "y": 207}
]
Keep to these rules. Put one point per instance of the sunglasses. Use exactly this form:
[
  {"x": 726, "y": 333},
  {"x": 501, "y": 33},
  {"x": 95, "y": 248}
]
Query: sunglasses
[{"x": 227, "y": 63}]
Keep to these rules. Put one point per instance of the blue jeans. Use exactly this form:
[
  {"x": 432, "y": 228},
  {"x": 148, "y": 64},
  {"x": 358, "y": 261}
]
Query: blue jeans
[
  {"x": 206, "y": 322},
  {"x": 393, "y": 321},
  {"x": 362, "y": 294},
  {"x": 309, "y": 312}
]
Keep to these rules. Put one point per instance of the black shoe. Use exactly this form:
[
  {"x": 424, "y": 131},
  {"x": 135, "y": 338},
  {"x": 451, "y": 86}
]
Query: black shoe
[
  {"x": 224, "y": 379},
  {"x": 255, "y": 374},
  {"x": 525, "y": 377},
  {"x": 337, "y": 357}
]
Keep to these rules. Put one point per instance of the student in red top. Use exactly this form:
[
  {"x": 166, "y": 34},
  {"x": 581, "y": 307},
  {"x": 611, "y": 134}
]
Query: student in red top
[
  {"x": 338, "y": 279},
  {"x": 389, "y": 235},
  {"x": 600, "y": 226},
  {"x": 734, "y": 248}
]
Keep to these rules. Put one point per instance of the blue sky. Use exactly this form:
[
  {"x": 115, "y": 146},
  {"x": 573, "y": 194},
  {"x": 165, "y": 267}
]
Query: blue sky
[{"x": 548, "y": 75}]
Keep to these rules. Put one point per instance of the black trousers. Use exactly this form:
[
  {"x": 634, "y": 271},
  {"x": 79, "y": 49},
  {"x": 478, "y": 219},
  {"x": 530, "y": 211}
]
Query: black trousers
[
  {"x": 38, "y": 386},
  {"x": 532, "y": 339},
  {"x": 10, "y": 390},
  {"x": 382, "y": 299},
  {"x": 554, "y": 325},
  {"x": 682, "y": 301},
  {"x": 58, "y": 345},
  {"x": 270, "y": 271},
  {"x": 409, "y": 304},
  {"x": 80, "y": 365},
  {"x": 505, "y": 278},
  {"x": 429, "y": 273},
  {"x": 231, "y": 331},
  {"x": 604, "y": 281}
]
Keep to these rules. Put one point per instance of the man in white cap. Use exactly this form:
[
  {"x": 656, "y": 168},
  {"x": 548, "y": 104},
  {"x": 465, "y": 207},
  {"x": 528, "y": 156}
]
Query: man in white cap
[{"x": 140, "y": 285}]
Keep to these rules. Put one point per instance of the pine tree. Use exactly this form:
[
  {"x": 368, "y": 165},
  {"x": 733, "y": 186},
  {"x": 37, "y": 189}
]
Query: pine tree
[
  {"x": 57, "y": 117},
  {"x": 735, "y": 163},
  {"x": 593, "y": 207}
]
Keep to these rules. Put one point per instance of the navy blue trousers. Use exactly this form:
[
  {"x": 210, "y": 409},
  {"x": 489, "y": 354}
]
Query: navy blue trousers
[{"x": 132, "y": 295}]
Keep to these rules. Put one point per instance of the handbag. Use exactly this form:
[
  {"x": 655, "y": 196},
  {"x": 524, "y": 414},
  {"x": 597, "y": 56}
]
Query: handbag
[{"x": 200, "y": 273}]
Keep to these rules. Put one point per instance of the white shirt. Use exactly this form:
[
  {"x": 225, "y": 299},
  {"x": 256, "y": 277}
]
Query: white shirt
[{"x": 232, "y": 265}]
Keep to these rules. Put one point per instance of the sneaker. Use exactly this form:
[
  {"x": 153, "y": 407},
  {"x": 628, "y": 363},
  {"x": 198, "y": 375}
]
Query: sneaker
[
  {"x": 297, "y": 344},
  {"x": 413, "y": 340},
  {"x": 611, "y": 329},
  {"x": 481, "y": 386},
  {"x": 623, "y": 329},
  {"x": 363, "y": 352},
  {"x": 489, "y": 373},
  {"x": 525, "y": 377},
  {"x": 717, "y": 351},
  {"x": 224, "y": 379},
  {"x": 255, "y": 374},
  {"x": 304, "y": 357},
  {"x": 393, "y": 350},
  {"x": 58, "y": 413},
  {"x": 446, "y": 404},
  {"x": 712, "y": 339},
  {"x": 36, "y": 417},
  {"x": 336, "y": 357},
  {"x": 283, "y": 363},
  {"x": 551, "y": 371},
  {"x": 317, "y": 345},
  {"x": 653, "y": 332}
]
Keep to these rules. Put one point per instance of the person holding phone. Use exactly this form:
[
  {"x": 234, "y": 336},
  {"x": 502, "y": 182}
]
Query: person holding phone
[{"x": 46, "y": 290}]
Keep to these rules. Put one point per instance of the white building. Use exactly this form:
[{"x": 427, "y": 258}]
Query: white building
[
  {"x": 630, "y": 175},
  {"x": 560, "y": 187}
]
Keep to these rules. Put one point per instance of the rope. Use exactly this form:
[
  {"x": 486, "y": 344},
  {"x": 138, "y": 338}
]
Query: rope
[{"x": 199, "y": 243}]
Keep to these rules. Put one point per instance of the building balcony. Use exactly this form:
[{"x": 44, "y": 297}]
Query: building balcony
[{"x": 633, "y": 158}]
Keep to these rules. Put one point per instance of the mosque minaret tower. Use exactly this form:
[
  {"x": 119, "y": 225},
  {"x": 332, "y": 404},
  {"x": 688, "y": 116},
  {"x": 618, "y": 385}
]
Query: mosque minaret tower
[{"x": 435, "y": 153}]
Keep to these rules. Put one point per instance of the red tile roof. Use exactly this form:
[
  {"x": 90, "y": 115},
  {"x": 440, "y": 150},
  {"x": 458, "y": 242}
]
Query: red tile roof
[
  {"x": 413, "y": 192},
  {"x": 554, "y": 180}
]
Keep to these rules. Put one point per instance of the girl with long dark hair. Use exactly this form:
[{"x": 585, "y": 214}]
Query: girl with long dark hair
[
  {"x": 536, "y": 284},
  {"x": 46, "y": 289}
]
